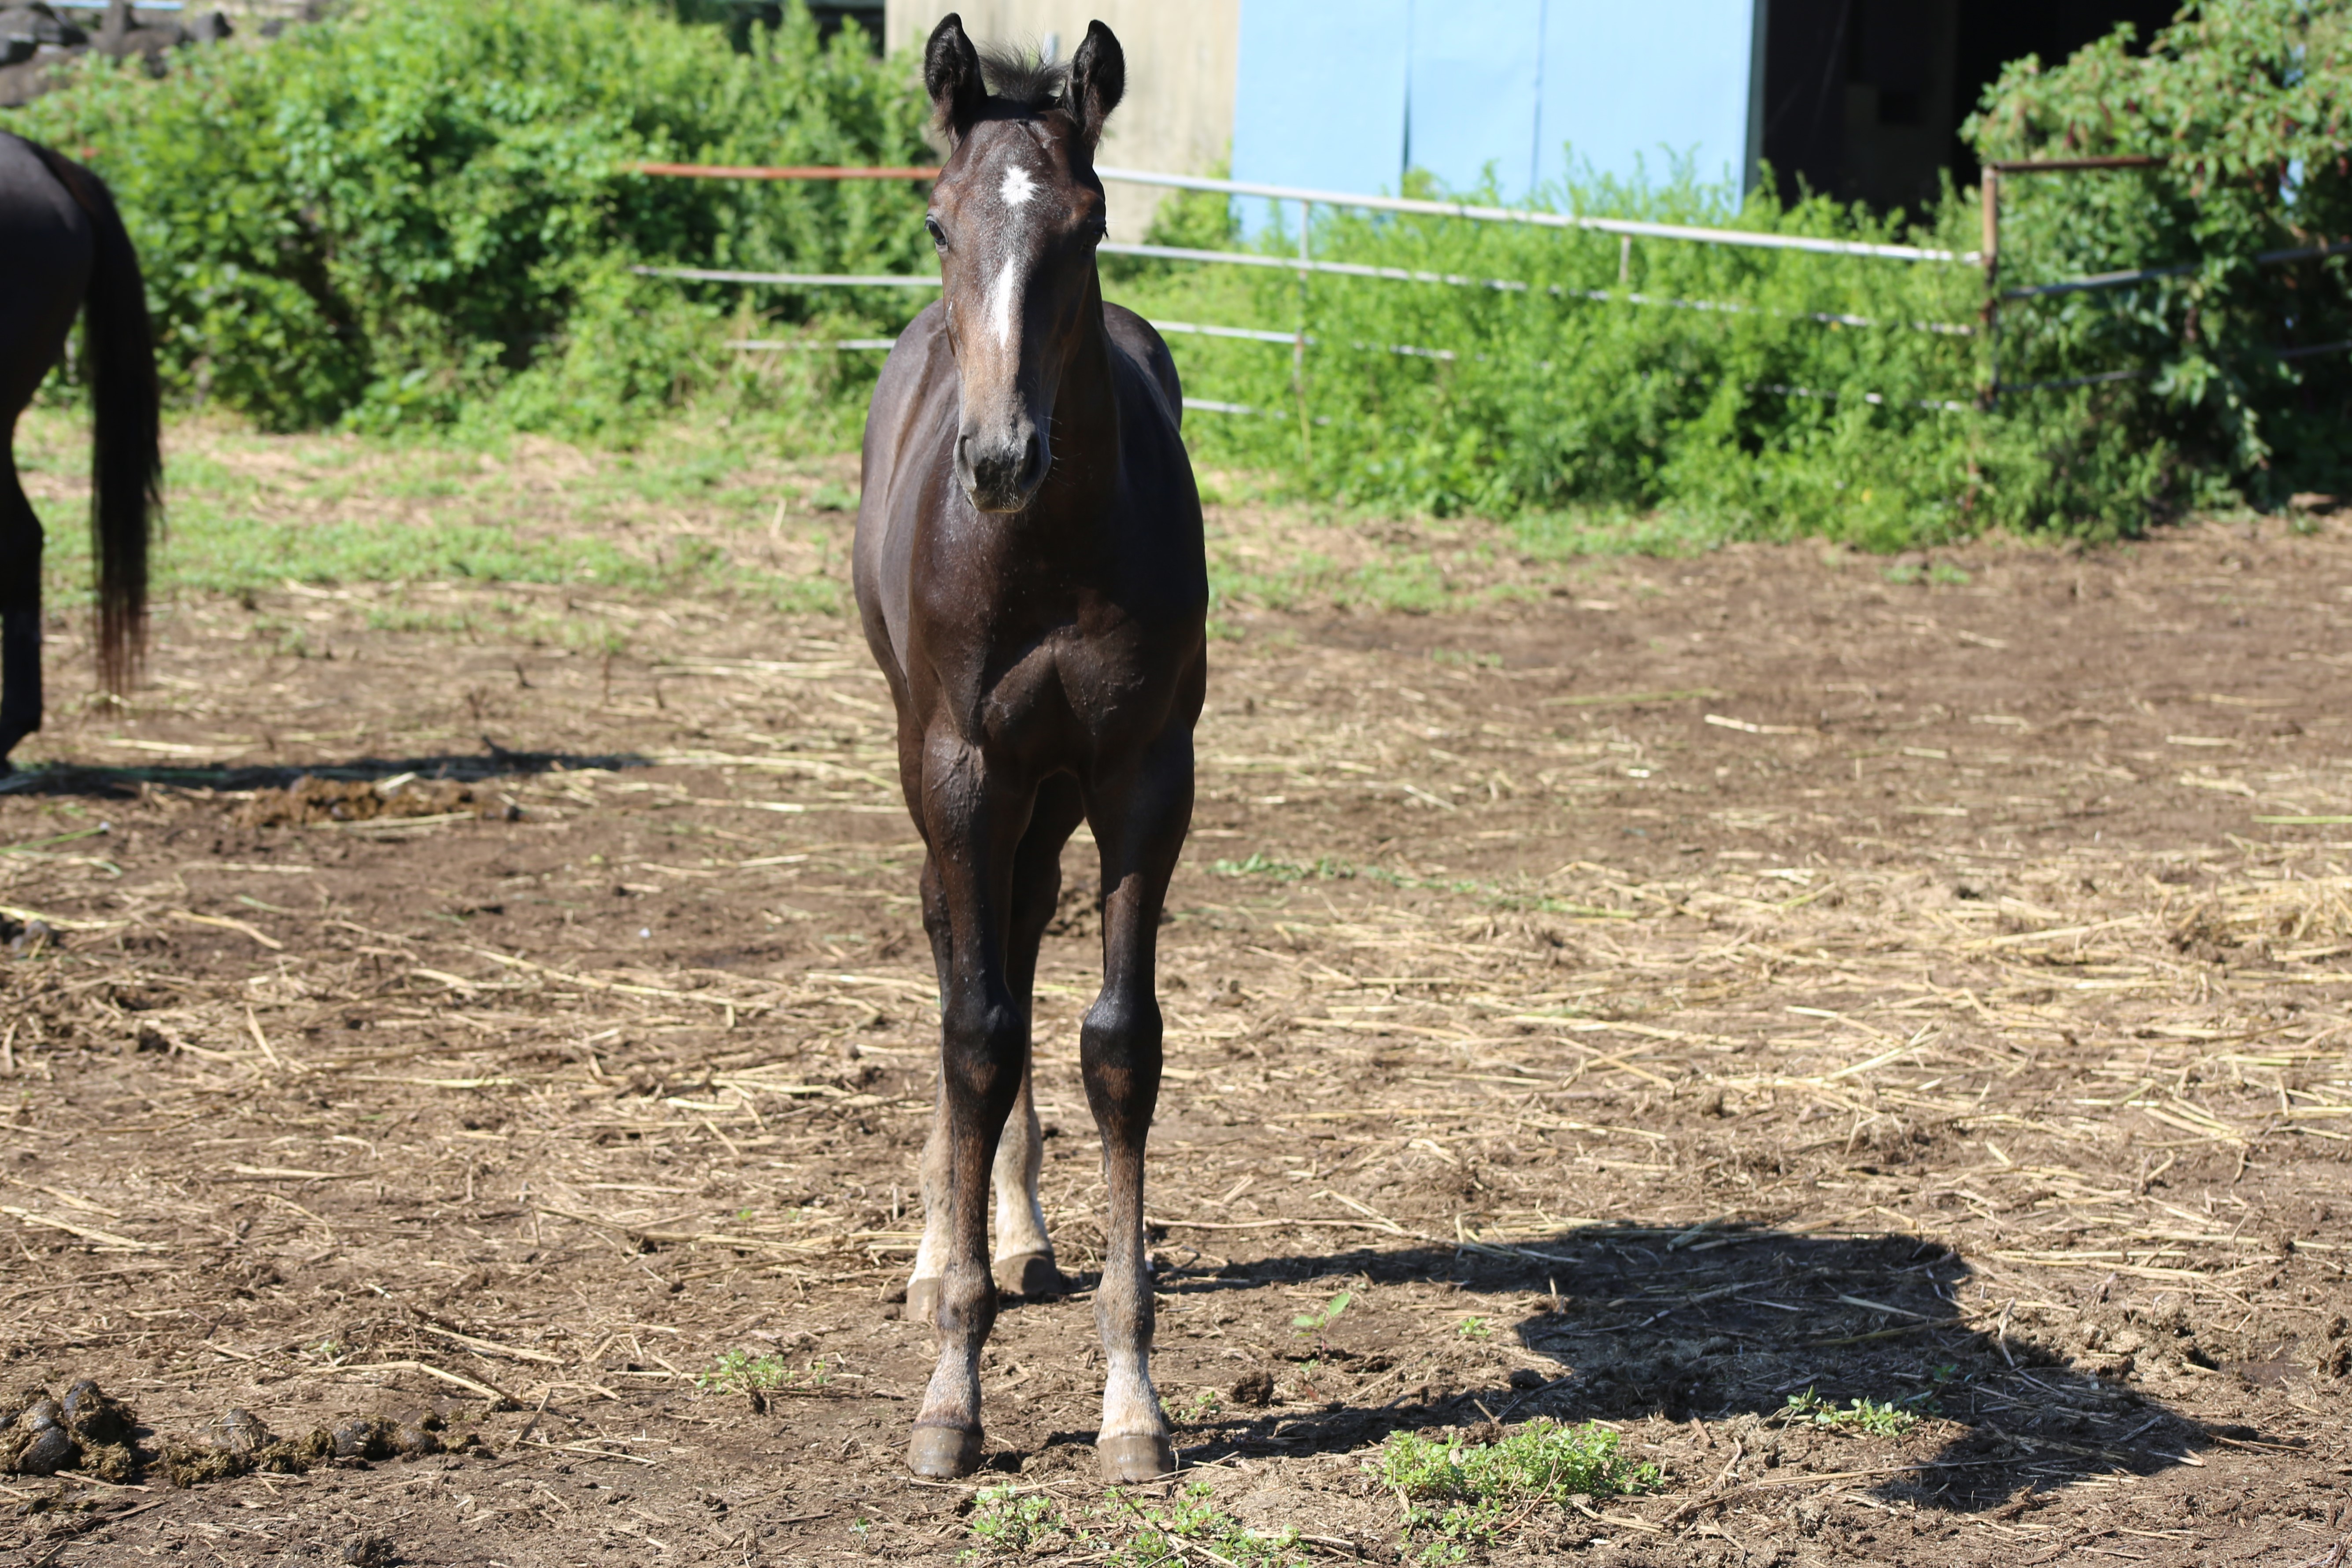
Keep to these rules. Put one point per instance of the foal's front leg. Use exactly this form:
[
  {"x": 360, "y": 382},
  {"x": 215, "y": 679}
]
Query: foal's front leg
[
  {"x": 972, "y": 829},
  {"x": 1025, "y": 1253},
  {"x": 1141, "y": 826}
]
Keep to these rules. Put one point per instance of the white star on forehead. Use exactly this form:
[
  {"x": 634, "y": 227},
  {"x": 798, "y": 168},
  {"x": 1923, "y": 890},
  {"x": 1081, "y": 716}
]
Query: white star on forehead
[{"x": 1018, "y": 187}]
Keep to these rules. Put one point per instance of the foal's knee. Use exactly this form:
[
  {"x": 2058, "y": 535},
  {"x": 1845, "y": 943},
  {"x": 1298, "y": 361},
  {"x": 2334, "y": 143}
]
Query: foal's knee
[
  {"x": 1122, "y": 1033},
  {"x": 986, "y": 1044},
  {"x": 1118, "y": 1050}
]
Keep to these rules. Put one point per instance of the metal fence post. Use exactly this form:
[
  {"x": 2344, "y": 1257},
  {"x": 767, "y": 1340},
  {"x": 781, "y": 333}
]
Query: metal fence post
[
  {"x": 1989, "y": 249},
  {"x": 1298, "y": 343}
]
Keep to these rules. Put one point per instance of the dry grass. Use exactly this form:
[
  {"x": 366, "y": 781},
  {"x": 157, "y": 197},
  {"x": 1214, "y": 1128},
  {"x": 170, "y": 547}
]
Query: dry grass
[{"x": 1944, "y": 1030}]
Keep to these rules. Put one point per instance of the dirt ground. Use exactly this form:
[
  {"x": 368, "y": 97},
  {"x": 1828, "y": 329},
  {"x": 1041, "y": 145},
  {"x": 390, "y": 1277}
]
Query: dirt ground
[{"x": 1652, "y": 991}]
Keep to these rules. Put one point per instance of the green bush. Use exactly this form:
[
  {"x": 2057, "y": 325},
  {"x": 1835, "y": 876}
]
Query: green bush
[
  {"x": 1777, "y": 394},
  {"x": 2251, "y": 104},
  {"x": 418, "y": 214},
  {"x": 421, "y": 210}
]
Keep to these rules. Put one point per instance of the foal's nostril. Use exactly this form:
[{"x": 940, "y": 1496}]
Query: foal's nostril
[{"x": 1032, "y": 457}]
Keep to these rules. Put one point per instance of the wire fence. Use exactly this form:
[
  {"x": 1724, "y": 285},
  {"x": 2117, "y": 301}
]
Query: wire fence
[{"x": 1305, "y": 264}]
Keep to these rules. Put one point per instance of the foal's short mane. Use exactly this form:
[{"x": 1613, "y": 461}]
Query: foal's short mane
[{"x": 1025, "y": 83}]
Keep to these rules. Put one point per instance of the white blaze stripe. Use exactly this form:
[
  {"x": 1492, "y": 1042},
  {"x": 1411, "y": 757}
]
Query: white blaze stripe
[
  {"x": 1000, "y": 303},
  {"x": 1018, "y": 187}
]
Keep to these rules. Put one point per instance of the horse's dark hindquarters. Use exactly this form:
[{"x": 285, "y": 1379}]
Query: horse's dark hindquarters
[
  {"x": 63, "y": 249},
  {"x": 1032, "y": 579}
]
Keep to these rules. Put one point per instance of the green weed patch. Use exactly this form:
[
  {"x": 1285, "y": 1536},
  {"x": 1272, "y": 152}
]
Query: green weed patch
[
  {"x": 1461, "y": 1496},
  {"x": 1877, "y": 1418},
  {"x": 1008, "y": 1524}
]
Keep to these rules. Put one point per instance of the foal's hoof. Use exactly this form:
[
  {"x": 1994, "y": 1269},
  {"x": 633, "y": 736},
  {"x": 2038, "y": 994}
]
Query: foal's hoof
[
  {"x": 923, "y": 1302},
  {"x": 943, "y": 1453},
  {"x": 1141, "y": 1458},
  {"x": 1030, "y": 1274}
]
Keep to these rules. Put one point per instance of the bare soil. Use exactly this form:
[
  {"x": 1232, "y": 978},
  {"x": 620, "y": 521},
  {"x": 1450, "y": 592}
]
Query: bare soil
[{"x": 1651, "y": 994}]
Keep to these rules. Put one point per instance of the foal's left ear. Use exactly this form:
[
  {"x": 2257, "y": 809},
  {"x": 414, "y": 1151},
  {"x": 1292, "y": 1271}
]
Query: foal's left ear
[{"x": 1097, "y": 80}]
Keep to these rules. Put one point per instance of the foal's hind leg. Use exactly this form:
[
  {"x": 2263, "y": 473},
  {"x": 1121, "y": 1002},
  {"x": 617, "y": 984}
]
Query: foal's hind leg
[
  {"x": 20, "y": 611},
  {"x": 1141, "y": 824},
  {"x": 1023, "y": 1253}
]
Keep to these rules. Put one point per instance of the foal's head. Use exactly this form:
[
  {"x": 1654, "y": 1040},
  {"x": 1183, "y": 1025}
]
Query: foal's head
[{"x": 1016, "y": 214}]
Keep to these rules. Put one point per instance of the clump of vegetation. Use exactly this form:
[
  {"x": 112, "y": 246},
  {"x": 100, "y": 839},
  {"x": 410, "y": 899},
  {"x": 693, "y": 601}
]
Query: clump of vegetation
[
  {"x": 1875, "y": 1417},
  {"x": 741, "y": 1372},
  {"x": 421, "y": 213},
  {"x": 1459, "y": 1496},
  {"x": 1778, "y": 393},
  {"x": 425, "y": 216},
  {"x": 1008, "y": 1523}
]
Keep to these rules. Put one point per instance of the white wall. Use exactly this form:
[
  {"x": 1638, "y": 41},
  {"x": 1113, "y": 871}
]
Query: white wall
[{"x": 1177, "y": 116}]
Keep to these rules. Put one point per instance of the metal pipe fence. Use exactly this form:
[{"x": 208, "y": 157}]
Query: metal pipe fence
[{"x": 1988, "y": 257}]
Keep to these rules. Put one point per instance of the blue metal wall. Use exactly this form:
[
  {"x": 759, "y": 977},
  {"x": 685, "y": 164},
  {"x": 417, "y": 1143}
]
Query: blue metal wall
[{"x": 1346, "y": 96}]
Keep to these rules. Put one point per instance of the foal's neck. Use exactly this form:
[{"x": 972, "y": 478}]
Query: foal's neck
[{"x": 1085, "y": 431}]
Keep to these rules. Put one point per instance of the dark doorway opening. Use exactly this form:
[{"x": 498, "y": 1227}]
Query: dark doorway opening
[{"x": 1863, "y": 99}]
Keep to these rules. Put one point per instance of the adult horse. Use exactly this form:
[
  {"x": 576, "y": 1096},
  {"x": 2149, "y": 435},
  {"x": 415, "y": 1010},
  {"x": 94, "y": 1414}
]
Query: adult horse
[
  {"x": 63, "y": 251},
  {"x": 1031, "y": 573}
]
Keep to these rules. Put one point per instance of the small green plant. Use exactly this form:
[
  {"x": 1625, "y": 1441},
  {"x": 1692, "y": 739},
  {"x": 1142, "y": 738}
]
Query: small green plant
[
  {"x": 1879, "y": 1419},
  {"x": 1196, "y": 1525},
  {"x": 1318, "y": 1321},
  {"x": 741, "y": 1372},
  {"x": 1458, "y": 1496},
  {"x": 1009, "y": 1522},
  {"x": 1203, "y": 1406},
  {"x": 1475, "y": 1328}
]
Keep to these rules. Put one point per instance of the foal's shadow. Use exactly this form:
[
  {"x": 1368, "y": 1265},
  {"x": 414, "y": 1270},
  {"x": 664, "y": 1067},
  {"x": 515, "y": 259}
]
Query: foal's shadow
[
  {"x": 1717, "y": 1323},
  {"x": 66, "y": 778}
]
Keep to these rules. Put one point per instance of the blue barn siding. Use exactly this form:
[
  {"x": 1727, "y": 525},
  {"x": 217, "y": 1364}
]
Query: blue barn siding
[
  {"x": 1474, "y": 87},
  {"x": 1319, "y": 95},
  {"x": 1628, "y": 87},
  {"x": 1347, "y": 97}
]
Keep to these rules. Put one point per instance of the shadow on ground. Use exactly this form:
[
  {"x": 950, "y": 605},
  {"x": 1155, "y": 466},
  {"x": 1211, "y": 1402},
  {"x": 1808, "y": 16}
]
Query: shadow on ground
[
  {"x": 1714, "y": 1324},
  {"x": 493, "y": 761}
]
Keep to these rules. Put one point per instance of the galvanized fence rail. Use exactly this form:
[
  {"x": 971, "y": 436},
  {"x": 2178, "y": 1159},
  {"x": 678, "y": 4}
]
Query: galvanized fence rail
[{"x": 1987, "y": 258}]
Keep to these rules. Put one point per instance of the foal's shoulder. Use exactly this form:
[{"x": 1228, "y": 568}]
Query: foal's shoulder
[
  {"x": 1141, "y": 342},
  {"x": 922, "y": 340}
]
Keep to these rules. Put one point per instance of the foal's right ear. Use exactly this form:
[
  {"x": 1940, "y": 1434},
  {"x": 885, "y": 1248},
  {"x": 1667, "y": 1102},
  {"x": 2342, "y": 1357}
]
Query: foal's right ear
[{"x": 951, "y": 75}]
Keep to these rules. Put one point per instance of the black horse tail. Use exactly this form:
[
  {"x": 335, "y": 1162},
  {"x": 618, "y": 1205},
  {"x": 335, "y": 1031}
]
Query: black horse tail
[{"x": 126, "y": 465}]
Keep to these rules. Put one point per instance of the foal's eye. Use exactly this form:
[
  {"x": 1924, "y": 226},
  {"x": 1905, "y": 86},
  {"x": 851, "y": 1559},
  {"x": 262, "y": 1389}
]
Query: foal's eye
[{"x": 939, "y": 236}]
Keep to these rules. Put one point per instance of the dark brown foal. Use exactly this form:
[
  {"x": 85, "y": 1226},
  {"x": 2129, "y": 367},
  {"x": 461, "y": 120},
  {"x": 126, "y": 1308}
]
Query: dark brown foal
[{"x": 1030, "y": 569}]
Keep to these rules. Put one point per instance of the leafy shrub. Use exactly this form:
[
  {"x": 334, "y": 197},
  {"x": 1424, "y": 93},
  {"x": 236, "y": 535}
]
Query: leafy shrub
[
  {"x": 1780, "y": 393},
  {"x": 418, "y": 214},
  {"x": 423, "y": 207},
  {"x": 2251, "y": 103}
]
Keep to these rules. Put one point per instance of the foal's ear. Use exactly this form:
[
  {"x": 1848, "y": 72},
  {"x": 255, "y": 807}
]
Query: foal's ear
[
  {"x": 1097, "y": 80},
  {"x": 951, "y": 75}
]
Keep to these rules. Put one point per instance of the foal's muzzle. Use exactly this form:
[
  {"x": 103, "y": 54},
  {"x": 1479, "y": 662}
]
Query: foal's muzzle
[{"x": 1001, "y": 473}]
